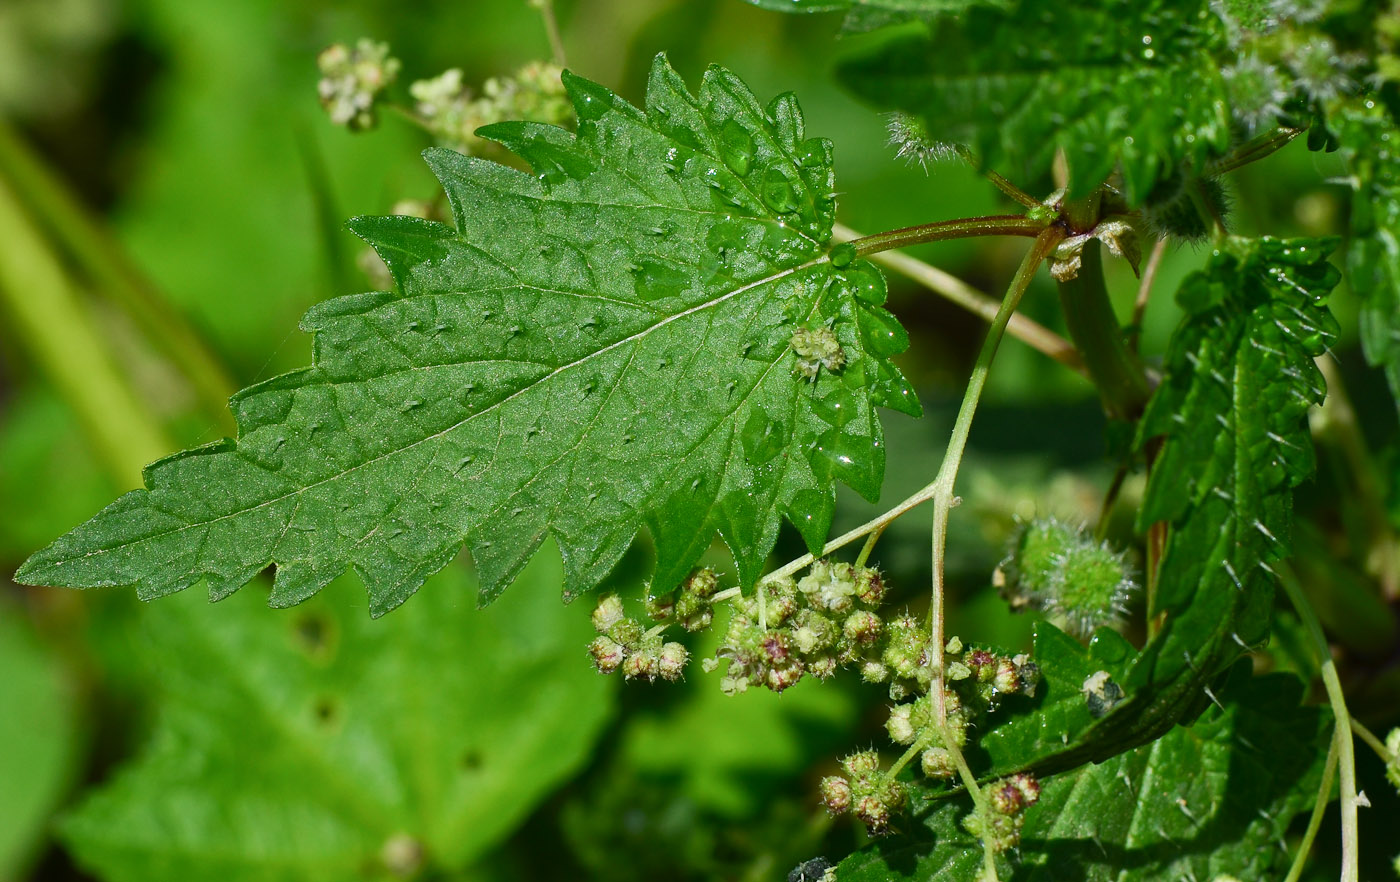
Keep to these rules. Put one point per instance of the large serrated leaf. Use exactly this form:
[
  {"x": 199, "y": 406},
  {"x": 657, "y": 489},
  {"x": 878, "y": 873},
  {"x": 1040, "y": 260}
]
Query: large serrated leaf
[
  {"x": 1370, "y": 140},
  {"x": 1131, "y": 86},
  {"x": 1201, "y": 802},
  {"x": 593, "y": 349},
  {"x": 323, "y": 745}
]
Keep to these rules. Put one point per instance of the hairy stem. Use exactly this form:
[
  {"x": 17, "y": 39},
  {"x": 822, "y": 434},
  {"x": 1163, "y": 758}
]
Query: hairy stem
[
  {"x": 47, "y": 316},
  {"x": 94, "y": 251},
  {"x": 958, "y": 292},
  {"x": 962, "y": 228},
  {"x": 1351, "y": 852},
  {"x": 1115, "y": 370},
  {"x": 1324, "y": 796}
]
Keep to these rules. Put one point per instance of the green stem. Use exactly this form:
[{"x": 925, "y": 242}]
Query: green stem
[
  {"x": 1372, "y": 741},
  {"x": 943, "y": 502},
  {"x": 112, "y": 272},
  {"x": 551, "y": 29},
  {"x": 49, "y": 318},
  {"x": 962, "y": 228},
  {"x": 1324, "y": 796},
  {"x": 1351, "y": 852},
  {"x": 1092, "y": 325}
]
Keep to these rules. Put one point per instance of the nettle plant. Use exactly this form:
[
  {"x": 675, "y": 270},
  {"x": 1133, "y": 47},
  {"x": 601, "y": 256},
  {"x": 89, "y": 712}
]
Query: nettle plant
[{"x": 659, "y": 333}]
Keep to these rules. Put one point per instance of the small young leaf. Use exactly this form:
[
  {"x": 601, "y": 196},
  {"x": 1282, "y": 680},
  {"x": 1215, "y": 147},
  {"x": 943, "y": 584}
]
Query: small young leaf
[
  {"x": 596, "y": 348},
  {"x": 1133, "y": 86},
  {"x": 323, "y": 745}
]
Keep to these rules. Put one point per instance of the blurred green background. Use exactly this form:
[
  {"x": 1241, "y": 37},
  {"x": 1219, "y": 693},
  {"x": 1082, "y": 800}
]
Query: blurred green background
[{"x": 171, "y": 200}]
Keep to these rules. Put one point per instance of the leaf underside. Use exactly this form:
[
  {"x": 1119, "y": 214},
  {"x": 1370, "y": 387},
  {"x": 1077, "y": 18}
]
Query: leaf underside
[
  {"x": 592, "y": 349},
  {"x": 1143, "y": 94}
]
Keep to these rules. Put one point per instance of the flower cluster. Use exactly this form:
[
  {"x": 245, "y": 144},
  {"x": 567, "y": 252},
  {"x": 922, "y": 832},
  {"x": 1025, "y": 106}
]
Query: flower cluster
[
  {"x": 352, "y": 80},
  {"x": 624, "y": 645},
  {"x": 999, "y": 819},
  {"x": 865, "y": 790},
  {"x": 817, "y": 348},
  {"x": 1082, "y": 584},
  {"x": 787, "y": 629},
  {"x": 453, "y": 113}
]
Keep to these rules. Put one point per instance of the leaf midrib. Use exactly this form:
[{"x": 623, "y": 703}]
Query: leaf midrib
[{"x": 640, "y": 335}]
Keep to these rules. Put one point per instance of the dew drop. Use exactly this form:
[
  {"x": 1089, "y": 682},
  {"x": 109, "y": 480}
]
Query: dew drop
[
  {"x": 843, "y": 255},
  {"x": 736, "y": 147},
  {"x": 866, "y": 282},
  {"x": 882, "y": 333},
  {"x": 656, "y": 280},
  {"x": 763, "y": 438},
  {"x": 777, "y": 190}
]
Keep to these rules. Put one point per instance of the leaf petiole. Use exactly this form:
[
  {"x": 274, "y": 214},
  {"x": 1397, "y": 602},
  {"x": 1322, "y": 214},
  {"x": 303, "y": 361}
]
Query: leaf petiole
[{"x": 938, "y": 231}]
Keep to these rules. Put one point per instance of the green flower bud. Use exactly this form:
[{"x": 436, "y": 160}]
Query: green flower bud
[
  {"x": 873, "y": 813},
  {"x": 607, "y": 654},
  {"x": 836, "y": 794},
  {"x": 660, "y": 607},
  {"x": 781, "y": 678},
  {"x": 608, "y": 613},
  {"x": 874, "y": 672},
  {"x": 861, "y": 763},
  {"x": 627, "y": 631},
  {"x": 862, "y": 627},
  {"x": 643, "y": 664},
  {"x": 670, "y": 664},
  {"x": 822, "y": 666},
  {"x": 900, "y": 724},
  {"x": 702, "y": 583},
  {"x": 870, "y": 586},
  {"x": 938, "y": 762}
]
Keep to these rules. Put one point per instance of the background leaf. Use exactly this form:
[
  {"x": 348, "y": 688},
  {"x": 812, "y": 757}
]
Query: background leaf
[
  {"x": 1141, "y": 91},
  {"x": 630, "y": 306},
  {"x": 295, "y": 746},
  {"x": 40, "y": 740},
  {"x": 1373, "y": 253}
]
